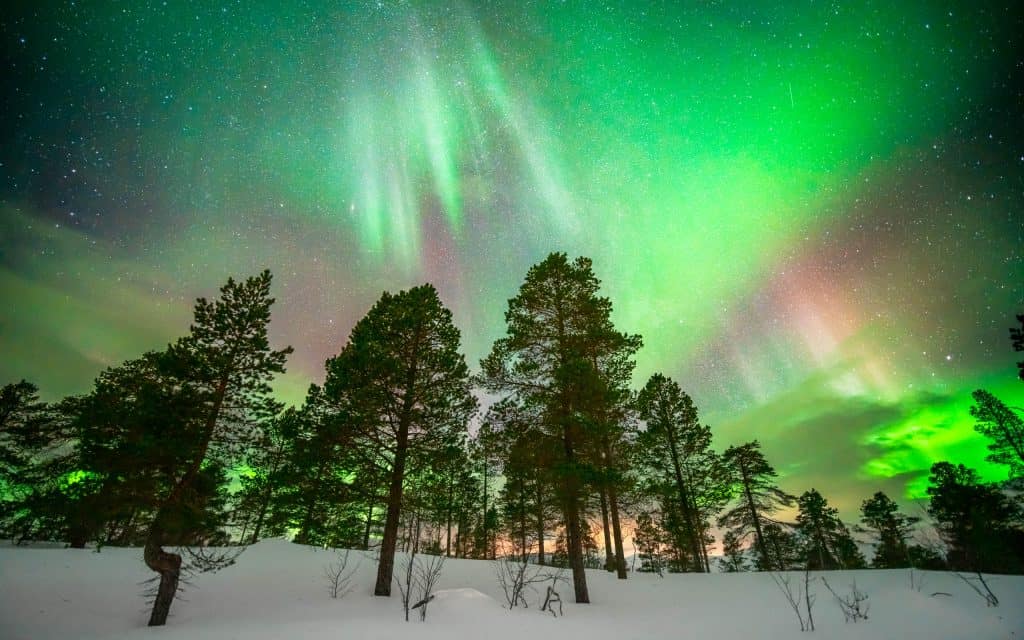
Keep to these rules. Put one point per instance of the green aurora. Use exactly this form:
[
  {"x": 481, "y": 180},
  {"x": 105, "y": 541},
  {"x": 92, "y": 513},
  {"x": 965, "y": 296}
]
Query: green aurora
[{"x": 812, "y": 212}]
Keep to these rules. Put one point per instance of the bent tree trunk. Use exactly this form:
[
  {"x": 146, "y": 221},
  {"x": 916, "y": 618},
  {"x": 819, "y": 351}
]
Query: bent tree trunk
[{"x": 168, "y": 565}]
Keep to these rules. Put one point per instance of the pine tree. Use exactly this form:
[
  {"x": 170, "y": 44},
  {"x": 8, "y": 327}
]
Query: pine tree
[
  {"x": 980, "y": 525},
  {"x": 890, "y": 530},
  {"x": 330, "y": 482},
  {"x": 225, "y": 364},
  {"x": 559, "y": 333},
  {"x": 22, "y": 418},
  {"x": 261, "y": 481},
  {"x": 527, "y": 455},
  {"x": 734, "y": 558},
  {"x": 484, "y": 453},
  {"x": 608, "y": 415},
  {"x": 675, "y": 451},
  {"x": 758, "y": 498},
  {"x": 827, "y": 542},
  {"x": 132, "y": 433},
  {"x": 31, "y": 450},
  {"x": 1003, "y": 427},
  {"x": 405, "y": 387},
  {"x": 649, "y": 541},
  {"x": 785, "y": 551}
]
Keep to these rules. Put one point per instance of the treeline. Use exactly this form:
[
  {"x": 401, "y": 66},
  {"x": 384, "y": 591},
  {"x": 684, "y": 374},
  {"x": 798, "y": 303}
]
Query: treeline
[{"x": 186, "y": 447}]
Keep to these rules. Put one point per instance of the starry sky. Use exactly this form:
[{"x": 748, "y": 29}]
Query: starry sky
[{"x": 813, "y": 212}]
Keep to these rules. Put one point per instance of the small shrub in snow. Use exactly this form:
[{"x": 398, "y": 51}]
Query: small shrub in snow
[
  {"x": 419, "y": 577},
  {"x": 797, "y": 595},
  {"x": 853, "y": 605},
  {"x": 339, "y": 576},
  {"x": 980, "y": 586},
  {"x": 516, "y": 578},
  {"x": 427, "y": 575}
]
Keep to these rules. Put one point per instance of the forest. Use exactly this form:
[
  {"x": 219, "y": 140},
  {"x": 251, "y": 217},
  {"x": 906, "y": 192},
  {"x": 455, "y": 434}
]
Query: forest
[{"x": 186, "y": 453}]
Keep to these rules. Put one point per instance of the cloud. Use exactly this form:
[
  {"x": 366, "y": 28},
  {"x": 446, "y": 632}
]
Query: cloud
[{"x": 850, "y": 446}]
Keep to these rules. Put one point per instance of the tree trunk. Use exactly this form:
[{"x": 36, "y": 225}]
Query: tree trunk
[
  {"x": 609, "y": 553},
  {"x": 168, "y": 565},
  {"x": 575, "y": 549},
  {"x": 386, "y": 566},
  {"x": 620, "y": 554},
  {"x": 448, "y": 509},
  {"x": 759, "y": 537},
  {"x": 259, "y": 519},
  {"x": 522, "y": 521},
  {"x": 540, "y": 526},
  {"x": 572, "y": 520},
  {"x": 684, "y": 503},
  {"x": 369, "y": 522}
]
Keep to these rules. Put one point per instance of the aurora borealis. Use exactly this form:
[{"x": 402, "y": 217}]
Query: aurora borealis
[{"x": 814, "y": 215}]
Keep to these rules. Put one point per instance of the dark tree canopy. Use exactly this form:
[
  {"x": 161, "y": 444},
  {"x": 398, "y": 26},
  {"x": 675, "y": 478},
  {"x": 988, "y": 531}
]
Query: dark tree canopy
[
  {"x": 1000, "y": 424},
  {"x": 826, "y": 540},
  {"x": 980, "y": 525},
  {"x": 758, "y": 498},
  {"x": 563, "y": 357},
  {"x": 890, "y": 530},
  {"x": 224, "y": 365},
  {"x": 404, "y": 385}
]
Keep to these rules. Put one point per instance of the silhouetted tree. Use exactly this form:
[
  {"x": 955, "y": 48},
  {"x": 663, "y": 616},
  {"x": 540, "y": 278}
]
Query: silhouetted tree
[
  {"x": 405, "y": 386},
  {"x": 1000, "y": 424},
  {"x": 225, "y": 365},
  {"x": 758, "y": 497},
  {"x": 734, "y": 558},
  {"x": 674, "y": 452},
  {"x": 979, "y": 524},
  {"x": 32, "y": 454},
  {"x": 649, "y": 540},
  {"x": 827, "y": 542},
  {"x": 890, "y": 530},
  {"x": 261, "y": 480},
  {"x": 559, "y": 333}
]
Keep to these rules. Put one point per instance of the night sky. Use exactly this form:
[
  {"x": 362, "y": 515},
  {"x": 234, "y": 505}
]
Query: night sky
[{"x": 813, "y": 215}]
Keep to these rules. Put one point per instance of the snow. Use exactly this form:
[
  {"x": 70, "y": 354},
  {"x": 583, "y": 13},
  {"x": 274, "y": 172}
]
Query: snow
[{"x": 277, "y": 590}]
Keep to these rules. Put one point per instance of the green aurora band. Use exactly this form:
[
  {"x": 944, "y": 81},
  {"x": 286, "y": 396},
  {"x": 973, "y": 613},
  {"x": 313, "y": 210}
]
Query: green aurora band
[{"x": 814, "y": 215}]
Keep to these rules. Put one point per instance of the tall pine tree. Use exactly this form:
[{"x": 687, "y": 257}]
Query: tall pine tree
[
  {"x": 758, "y": 497},
  {"x": 890, "y": 530},
  {"x": 559, "y": 331},
  {"x": 405, "y": 386},
  {"x": 226, "y": 363}
]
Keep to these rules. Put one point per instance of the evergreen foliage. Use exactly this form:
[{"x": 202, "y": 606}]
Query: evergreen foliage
[
  {"x": 826, "y": 541},
  {"x": 980, "y": 525},
  {"x": 678, "y": 466},
  {"x": 757, "y": 498},
  {"x": 404, "y": 387},
  {"x": 734, "y": 558},
  {"x": 1000, "y": 424},
  {"x": 563, "y": 359},
  {"x": 890, "y": 530},
  {"x": 217, "y": 379}
]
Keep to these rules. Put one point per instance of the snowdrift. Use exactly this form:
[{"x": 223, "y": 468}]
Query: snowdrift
[{"x": 277, "y": 590}]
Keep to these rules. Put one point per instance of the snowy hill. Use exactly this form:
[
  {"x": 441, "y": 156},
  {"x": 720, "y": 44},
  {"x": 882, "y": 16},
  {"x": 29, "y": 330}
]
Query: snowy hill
[{"x": 277, "y": 590}]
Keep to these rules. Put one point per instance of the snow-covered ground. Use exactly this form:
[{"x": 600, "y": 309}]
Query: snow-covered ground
[{"x": 277, "y": 590}]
